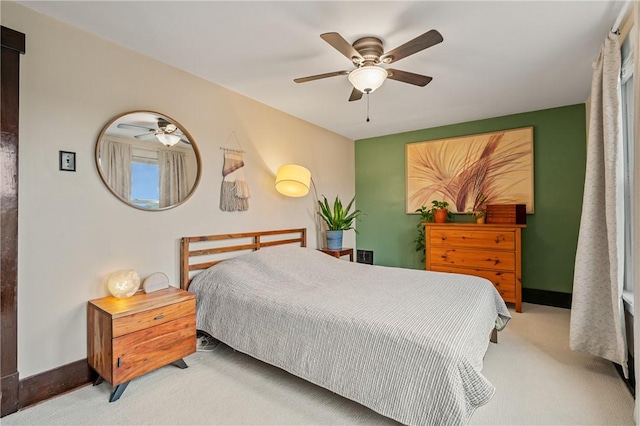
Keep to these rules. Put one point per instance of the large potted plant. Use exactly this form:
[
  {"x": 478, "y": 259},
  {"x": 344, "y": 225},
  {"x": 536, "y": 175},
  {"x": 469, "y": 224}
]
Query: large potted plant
[{"x": 338, "y": 219}]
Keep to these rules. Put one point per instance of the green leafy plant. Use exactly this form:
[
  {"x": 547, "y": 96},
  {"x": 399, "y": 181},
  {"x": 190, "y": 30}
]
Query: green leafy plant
[
  {"x": 477, "y": 213},
  {"x": 338, "y": 218},
  {"x": 428, "y": 215},
  {"x": 439, "y": 205}
]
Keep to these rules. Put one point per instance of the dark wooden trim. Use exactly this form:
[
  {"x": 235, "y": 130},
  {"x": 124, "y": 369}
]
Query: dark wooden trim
[
  {"x": 546, "y": 297},
  {"x": 54, "y": 382},
  {"x": 14, "y": 40},
  {"x": 10, "y": 393},
  {"x": 13, "y": 45}
]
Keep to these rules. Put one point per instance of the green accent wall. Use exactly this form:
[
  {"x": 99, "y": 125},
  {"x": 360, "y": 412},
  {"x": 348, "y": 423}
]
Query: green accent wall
[{"x": 550, "y": 238}]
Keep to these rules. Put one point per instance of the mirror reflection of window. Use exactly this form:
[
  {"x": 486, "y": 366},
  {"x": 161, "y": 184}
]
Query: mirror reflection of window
[{"x": 145, "y": 179}]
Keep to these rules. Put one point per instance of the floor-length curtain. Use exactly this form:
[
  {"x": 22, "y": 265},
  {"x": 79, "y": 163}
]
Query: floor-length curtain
[
  {"x": 597, "y": 325},
  {"x": 115, "y": 162},
  {"x": 636, "y": 196},
  {"x": 173, "y": 178}
]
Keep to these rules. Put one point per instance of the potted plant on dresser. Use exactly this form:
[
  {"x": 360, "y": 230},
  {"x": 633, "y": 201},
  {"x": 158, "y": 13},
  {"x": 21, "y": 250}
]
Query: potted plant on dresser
[
  {"x": 338, "y": 219},
  {"x": 440, "y": 211},
  {"x": 429, "y": 215},
  {"x": 478, "y": 215}
]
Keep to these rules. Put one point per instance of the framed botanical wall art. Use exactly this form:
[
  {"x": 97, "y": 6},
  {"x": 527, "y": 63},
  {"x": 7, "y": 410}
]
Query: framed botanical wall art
[{"x": 470, "y": 172}]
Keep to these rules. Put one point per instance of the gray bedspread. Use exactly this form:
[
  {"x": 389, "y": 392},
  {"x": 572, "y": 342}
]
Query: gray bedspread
[{"x": 406, "y": 343}]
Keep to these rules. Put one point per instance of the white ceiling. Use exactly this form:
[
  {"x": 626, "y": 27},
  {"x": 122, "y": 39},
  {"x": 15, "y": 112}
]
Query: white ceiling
[{"x": 497, "y": 58}]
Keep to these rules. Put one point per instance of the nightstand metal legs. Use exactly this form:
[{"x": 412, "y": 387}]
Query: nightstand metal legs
[
  {"x": 118, "y": 391},
  {"x": 180, "y": 364}
]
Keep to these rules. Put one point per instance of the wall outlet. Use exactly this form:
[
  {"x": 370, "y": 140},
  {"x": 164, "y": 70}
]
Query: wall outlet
[{"x": 68, "y": 161}]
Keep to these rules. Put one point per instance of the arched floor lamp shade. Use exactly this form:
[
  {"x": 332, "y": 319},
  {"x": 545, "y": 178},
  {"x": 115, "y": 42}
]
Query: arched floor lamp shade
[{"x": 293, "y": 180}]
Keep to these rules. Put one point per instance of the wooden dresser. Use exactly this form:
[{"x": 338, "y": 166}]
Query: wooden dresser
[
  {"x": 491, "y": 251},
  {"x": 130, "y": 337}
]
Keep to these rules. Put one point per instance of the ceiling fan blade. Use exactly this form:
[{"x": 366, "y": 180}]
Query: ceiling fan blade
[
  {"x": 341, "y": 45},
  {"x": 356, "y": 95},
  {"x": 419, "y": 43},
  {"x": 319, "y": 76},
  {"x": 134, "y": 127},
  {"x": 145, "y": 136},
  {"x": 408, "y": 77}
]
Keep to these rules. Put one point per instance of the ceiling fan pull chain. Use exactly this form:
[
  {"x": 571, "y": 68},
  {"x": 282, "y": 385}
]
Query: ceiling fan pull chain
[{"x": 368, "y": 91}]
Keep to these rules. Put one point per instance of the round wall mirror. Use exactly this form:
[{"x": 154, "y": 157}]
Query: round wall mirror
[{"x": 148, "y": 160}]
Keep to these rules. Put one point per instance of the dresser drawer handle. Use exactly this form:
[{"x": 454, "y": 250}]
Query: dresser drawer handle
[
  {"x": 444, "y": 255},
  {"x": 496, "y": 260},
  {"x": 159, "y": 317},
  {"x": 444, "y": 237},
  {"x": 497, "y": 240}
]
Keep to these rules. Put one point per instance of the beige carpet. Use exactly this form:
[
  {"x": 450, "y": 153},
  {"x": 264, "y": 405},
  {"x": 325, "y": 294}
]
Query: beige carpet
[{"x": 538, "y": 381}]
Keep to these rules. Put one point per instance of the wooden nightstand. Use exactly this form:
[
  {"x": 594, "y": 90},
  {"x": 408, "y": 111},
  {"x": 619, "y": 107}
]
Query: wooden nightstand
[
  {"x": 339, "y": 253},
  {"x": 130, "y": 337}
]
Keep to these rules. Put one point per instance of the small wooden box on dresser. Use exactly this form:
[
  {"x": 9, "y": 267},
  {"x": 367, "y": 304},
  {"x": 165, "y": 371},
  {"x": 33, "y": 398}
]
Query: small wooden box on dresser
[
  {"x": 130, "y": 337},
  {"x": 491, "y": 251}
]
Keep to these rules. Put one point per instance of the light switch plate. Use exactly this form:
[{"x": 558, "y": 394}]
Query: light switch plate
[{"x": 68, "y": 161}]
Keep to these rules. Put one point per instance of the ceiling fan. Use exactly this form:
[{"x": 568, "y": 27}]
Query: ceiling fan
[
  {"x": 167, "y": 133},
  {"x": 367, "y": 54}
]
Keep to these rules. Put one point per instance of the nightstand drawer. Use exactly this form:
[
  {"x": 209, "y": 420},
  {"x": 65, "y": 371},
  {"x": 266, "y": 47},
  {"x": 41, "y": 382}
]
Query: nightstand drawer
[
  {"x": 500, "y": 240},
  {"x": 151, "y": 318},
  {"x": 138, "y": 353},
  {"x": 469, "y": 258},
  {"x": 504, "y": 282}
]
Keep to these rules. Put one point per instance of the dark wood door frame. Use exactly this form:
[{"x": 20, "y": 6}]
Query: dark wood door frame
[{"x": 13, "y": 45}]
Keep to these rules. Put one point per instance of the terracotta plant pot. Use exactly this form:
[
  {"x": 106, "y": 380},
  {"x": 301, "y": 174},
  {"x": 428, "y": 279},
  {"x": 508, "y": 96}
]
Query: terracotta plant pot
[
  {"x": 441, "y": 215},
  {"x": 480, "y": 219}
]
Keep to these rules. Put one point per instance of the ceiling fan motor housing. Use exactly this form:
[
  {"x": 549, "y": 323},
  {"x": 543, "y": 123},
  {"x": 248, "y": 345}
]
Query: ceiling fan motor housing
[{"x": 370, "y": 48}]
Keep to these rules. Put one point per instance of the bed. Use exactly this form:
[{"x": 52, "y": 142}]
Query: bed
[{"x": 409, "y": 344}]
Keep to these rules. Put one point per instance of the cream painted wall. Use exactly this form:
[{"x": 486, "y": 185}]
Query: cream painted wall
[{"x": 73, "y": 232}]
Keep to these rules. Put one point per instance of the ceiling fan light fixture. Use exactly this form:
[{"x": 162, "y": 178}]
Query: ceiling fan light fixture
[
  {"x": 168, "y": 139},
  {"x": 367, "y": 79}
]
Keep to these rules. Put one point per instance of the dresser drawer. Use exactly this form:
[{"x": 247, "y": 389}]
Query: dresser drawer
[
  {"x": 491, "y": 251},
  {"x": 501, "y": 240},
  {"x": 138, "y": 353},
  {"x": 504, "y": 282},
  {"x": 152, "y": 317},
  {"x": 469, "y": 258}
]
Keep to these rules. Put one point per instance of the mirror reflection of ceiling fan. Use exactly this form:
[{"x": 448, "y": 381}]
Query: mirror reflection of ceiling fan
[
  {"x": 367, "y": 55},
  {"x": 166, "y": 133}
]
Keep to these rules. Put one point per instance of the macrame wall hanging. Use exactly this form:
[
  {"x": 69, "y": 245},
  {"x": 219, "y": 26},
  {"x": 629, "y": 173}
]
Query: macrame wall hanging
[{"x": 234, "y": 193}]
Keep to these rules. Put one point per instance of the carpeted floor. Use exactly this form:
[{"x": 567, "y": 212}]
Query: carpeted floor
[{"x": 538, "y": 381}]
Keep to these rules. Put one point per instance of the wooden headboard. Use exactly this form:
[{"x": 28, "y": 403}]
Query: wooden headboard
[{"x": 227, "y": 243}]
